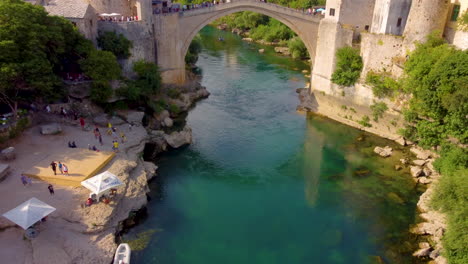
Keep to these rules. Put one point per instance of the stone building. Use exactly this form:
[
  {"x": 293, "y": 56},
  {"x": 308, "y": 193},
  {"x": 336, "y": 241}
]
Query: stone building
[
  {"x": 452, "y": 33},
  {"x": 390, "y": 16},
  {"x": 79, "y": 12}
]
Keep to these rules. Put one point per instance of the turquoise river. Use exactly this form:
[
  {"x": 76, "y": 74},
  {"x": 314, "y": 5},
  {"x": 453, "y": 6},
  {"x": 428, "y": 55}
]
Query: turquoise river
[{"x": 263, "y": 184}]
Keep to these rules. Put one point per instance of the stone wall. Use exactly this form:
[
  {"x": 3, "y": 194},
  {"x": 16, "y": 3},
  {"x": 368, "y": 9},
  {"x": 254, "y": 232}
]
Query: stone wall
[
  {"x": 332, "y": 36},
  {"x": 452, "y": 35},
  {"x": 88, "y": 25},
  {"x": 141, "y": 35},
  {"x": 382, "y": 53},
  {"x": 357, "y": 13},
  {"x": 424, "y": 18}
]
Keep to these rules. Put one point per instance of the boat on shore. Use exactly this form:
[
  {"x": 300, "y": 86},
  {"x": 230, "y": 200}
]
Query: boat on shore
[{"x": 122, "y": 254}]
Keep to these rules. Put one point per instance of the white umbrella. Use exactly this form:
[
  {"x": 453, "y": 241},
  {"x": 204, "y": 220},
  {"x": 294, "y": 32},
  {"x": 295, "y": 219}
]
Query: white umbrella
[
  {"x": 114, "y": 14},
  {"x": 102, "y": 183},
  {"x": 105, "y": 14},
  {"x": 29, "y": 212}
]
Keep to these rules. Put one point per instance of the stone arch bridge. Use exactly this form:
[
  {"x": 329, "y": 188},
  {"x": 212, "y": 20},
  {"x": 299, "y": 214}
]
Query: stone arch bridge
[{"x": 174, "y": 31}]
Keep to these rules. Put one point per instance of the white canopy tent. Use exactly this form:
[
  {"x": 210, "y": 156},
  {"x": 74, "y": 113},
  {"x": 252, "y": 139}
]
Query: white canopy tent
[
  {"x": 101, "y": 183},
  {"x": 29, "y": 212}
]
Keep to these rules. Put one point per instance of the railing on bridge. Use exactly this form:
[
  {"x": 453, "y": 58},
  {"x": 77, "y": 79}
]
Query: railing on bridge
[{"x": 210, "y": 7}]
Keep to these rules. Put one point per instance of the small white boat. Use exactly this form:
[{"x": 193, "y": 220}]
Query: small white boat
[{"x": 122, "y": 254}]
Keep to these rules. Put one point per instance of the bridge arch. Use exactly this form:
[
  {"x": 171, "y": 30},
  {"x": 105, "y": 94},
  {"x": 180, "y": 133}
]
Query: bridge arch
[{"x": 189, "y": 23}]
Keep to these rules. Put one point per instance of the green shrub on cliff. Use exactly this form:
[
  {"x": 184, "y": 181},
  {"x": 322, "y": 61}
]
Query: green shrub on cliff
[
  {"x": 348, "y": 66},
  {"x": 101, "y": 91},
  {"x": 118, "y": 44},
  {"x": 383, "y": 85},
  {"x": 378, "y": 109}
]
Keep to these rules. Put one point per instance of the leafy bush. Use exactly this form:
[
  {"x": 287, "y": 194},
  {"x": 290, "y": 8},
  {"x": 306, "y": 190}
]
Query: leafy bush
[
  {"x": 451, "y": 197},
  {"x": 463, "y": 21},
  {"x": 348, "y": 66},
  {"x": 382, "y": 84},
  {"x": 378, "y": 109},
  {"x": 118, "y": 44},
  {"x": 297, "y": 48},
  {"x": 101, "y": 91},
  {"x": 365, "y": 121},
  {"x": 173, "y": 93},
  {"x": 173, "y": 108},
  {"x": 192, "y": 54}
]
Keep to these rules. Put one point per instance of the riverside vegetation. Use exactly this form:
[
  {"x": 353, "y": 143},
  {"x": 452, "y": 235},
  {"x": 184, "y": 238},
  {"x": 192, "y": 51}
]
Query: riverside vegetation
[{"x": 436, "y": 75}]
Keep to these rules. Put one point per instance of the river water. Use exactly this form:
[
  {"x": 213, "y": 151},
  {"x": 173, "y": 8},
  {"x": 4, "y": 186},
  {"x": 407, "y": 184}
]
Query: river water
[{"x": 262, "y": 184}]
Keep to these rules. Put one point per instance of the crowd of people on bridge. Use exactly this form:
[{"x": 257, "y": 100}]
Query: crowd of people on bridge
[
  {"x": 117, "y": 18},
  {"x": 176, "y": 8}
]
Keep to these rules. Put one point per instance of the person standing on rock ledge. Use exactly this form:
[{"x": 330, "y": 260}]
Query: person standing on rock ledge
[
  {"x": 53, "y": 165},
  {"x": 82, "y": 123},
  {"x": 51, "y": 189}
]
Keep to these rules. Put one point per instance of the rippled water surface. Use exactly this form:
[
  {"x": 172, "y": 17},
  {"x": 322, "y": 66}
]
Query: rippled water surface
[{"x": 263, "y": 184}]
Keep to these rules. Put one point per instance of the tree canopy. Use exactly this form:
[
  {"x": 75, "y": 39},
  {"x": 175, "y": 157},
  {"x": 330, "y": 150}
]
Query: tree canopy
[
  {"x": 437, "y": 76},
  {"x": 118, "y": 44},
  {"x": 37, "y": 49}
]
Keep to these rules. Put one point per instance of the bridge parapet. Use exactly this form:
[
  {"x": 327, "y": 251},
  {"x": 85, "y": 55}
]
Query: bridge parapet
[{"x": 250, "y": 3}]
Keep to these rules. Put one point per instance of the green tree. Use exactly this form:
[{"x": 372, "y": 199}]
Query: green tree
[
  {"x": 437, "y": 77},
  {"x": 192, "y": 54},
  {"x": 348, "y": 66},
  {"x": 33, "y": 49},
  {"x": 145, "y": 86},
  {"x": 383, "y": 85},
  {"x": 101, "y": 66},
  {"x": 118, "y": 44},
  {"x": 101, "y": 91}
]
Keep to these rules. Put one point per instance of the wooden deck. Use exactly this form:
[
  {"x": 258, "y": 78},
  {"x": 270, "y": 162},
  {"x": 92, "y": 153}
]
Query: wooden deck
[{"x": 81, "y": 163}]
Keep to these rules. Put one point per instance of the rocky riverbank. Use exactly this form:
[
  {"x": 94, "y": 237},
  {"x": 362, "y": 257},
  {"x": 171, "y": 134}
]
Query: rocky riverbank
[
  {"x": 432, "y": 224},
  {"x": 74, "y": 233}
]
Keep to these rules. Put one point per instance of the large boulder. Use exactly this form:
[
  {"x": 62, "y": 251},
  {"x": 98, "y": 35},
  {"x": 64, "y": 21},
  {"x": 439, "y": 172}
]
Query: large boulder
[
  {"x": 8, "y": 154},
  {"x": 384, "y": 152},
  {"x": 423, "y": 252},
  {"x": 103, "y": 119},
  {"x": 427, "y": 172},
  {"x": 51, "y": 129},
  {"x": 416, "y": 171},
  {"x": 4, "y": 170},
  {"x": 135, "y": 117},
  {"x": 162, "y": 115},
  {"x": 283, "y": 50},
  {"x": 419, "y": 162},
  {"x": 167, "y": 122},
  {"x": 420, "y": 153},
  {"x": 178, "y": 139}
]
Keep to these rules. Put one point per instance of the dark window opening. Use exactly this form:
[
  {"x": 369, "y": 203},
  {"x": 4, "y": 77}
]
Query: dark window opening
[
  {"x": 455, "y": 12},
  {"x": 91, "y": 22},
  {"x": 74, "y": 24},
  {"x": 332, "y": 11},
  {"x": 366, "y": 28},
  {"x": 398, "y": 24}
]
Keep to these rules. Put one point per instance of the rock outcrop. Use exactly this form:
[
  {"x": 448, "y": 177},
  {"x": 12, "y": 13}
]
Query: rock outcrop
[
  {"x": 8, "y": 154},
  {"x": 180, "y": 138},
  {"x": 383, "y": 152},
  {"x": 51, "y": 129}
]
